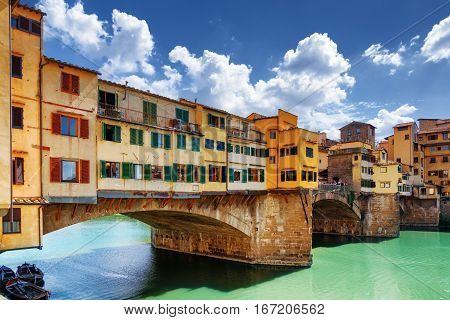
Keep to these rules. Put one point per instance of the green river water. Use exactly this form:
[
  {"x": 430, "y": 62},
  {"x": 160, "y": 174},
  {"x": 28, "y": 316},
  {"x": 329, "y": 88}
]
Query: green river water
[{"x": 111, "y": 258}]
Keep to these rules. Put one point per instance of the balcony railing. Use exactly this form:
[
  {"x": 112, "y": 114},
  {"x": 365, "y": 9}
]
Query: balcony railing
[
  {"x": 250, "y": 134},
  {"x": 134, "y": 116}
]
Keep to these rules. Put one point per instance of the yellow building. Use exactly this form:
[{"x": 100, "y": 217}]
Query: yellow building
[
  {"x": 212, "y": 123},
  {"x": 5, "y": 109},
  {"x": 147, "y": 145},
  {"x": 386, "y": 177},
  {"x": 22, "y": 228},
  {"x": 293, "y": 152},
  {"x": 246, "y": 149},
  {"x": 434, "y": 136},
  {"x": 69, "y": 110}
]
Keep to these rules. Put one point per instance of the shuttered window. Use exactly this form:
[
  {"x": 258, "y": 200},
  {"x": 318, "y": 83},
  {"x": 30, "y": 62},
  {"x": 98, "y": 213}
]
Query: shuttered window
[
  {"x": 111, "y": 132},
  {"x": 16, "y": 66},
  {"x": 159, "y": 140},
  {"x": 70, "y": 83},
  {"x": 167, "y": 141},
  {"x": 147, "y": 172},
  {"x": 127, "y": 170},
  {"x": 70, "y": 126},
  {"x": 167, "y": 173},
  {"x": 84, "y": 128},
  {"x": 181, "y": 141},
  {"x": 182, "y": 115},
  {"x": 244, "y": 176},
  {"x": 17, "y": 118},
  {"x": 55, "y": 169},
  {"x": 196, "y": 144},
  {"x": 84, "y": 171},
  {"x": 136, "y": 137},
  {"x": 231, "y": 175},
  {"x": 202, "y": 174},
  {"x": 149, "y": 110}
]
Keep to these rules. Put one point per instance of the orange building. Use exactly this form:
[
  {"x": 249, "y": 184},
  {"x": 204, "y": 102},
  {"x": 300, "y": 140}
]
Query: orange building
[{"x": 293, "y": 153}]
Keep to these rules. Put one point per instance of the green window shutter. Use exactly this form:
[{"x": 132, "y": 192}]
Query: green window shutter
[
  {"x": 261, "y": 176},
  {"x": 174, "y": 172},
  {"x": 167, "y": 173},
  {"x": 181, "y": 141},
  {"x": 103, "y": 131},
  {"x": 249, "y": 175},
  {"x": 141, "y": 137},
  {"x": 253, "y": 152},
  {"x": 147, "y": 172},
  {"x": 231, "y": 175},
  {"x": 224, "y": 174},
  {"x": 145, "y": 111},
  {"x": 189, "y": 173},
  {"x": 154, "y": 139},
  {"x": 126, "y": 170},
  {"x": 202, "y": 174},
  {"x": 117, "y": 134},
  {"x": 102, "y": 168},
  {"x": 237, "y": 149},
  {"x": 167, "y": 141},
  {"x": 247, "y": 151},
  {"x": 244, "y": 176},
  {"x": 179, "y": 114},
  {"x": 195, "y": 144},
  {"x": 222, "y": 123},
  {"x": 133, "y": 136},
  {"x": 230, "y": 147}
]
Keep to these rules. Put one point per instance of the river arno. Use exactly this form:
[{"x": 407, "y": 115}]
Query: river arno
[{"x": 111, "y": 258}]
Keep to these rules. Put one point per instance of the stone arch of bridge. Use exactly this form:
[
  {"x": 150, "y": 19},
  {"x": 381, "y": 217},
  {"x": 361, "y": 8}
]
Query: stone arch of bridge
[
  {"x": 208, "y": 214},
  {"x": 335, "y": 206}
]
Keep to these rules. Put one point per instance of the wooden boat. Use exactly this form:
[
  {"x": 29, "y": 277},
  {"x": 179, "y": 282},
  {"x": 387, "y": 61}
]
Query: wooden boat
[
  {"x": 30, "y": 273},
  {"x": 22, "y": 290},
  {"x": 6, "y": 274}
]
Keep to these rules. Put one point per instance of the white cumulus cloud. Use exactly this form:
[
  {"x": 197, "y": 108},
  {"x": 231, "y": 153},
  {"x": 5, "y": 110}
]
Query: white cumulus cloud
[
  {"x": 313, "y": 74},
  {"x": 126, "y": 50},
  {"x": 436, "y": 45},
  {"x": 382, "y": 56},
  {"x": 386, "y": 120}
]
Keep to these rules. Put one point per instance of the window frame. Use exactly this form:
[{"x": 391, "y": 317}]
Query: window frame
[
  {"x": 18, "y": 177},
  {"x": 20, "y": 60},
  {"x": 11, "y": 215},
  {"x": 13, "y": 118},
  {"x": 70, "y": 89},
  {"x": 76, "y": 179}
]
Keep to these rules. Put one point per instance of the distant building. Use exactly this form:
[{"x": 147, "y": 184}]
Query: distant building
[
  {"x": 358, "y": 131},
  {"x": 351, "y": 163},
  {"x": 433, "y": 135}
]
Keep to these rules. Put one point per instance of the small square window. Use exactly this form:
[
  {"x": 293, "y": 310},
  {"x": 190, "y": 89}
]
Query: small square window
[{"x": 69, "y": 171}]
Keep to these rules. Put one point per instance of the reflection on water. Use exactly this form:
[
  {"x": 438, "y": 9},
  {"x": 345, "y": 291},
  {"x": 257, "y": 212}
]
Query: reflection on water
[{"x": 121, "y": 264}]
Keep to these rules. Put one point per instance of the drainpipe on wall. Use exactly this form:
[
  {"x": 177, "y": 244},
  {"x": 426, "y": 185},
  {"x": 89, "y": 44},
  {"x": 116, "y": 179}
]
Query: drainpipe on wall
[
  {"x": 227, "y": 169},
  {"x": 10, "y": 115},
  {"x": 41, "y": 65}
]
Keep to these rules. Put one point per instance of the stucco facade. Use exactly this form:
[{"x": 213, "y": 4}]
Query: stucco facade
[
  {"x": 23, "y": 224},
  {"x": 386, "y": 177},
  {"x": 5, "y": 111},
  {"x": 68, "y": 133},
  {"x": 293, "y": 153},
  {"x": 246, "y": 148},
  {"x": 156, "y": 152}
]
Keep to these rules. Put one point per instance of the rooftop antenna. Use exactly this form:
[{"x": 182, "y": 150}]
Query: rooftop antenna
[{"x": 126, "y": 86}]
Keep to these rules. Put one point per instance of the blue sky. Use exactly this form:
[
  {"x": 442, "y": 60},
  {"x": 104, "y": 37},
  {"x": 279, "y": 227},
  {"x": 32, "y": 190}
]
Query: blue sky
[{"x": 247, "y": 56}]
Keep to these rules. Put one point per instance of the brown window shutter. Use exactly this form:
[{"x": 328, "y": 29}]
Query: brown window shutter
[
  {"x": 55, "y": 169},
  {"x": 56, "y": 123},
  {"x": 84, "y": 128},
  {"x": 84, "y": 171},
  {"x": 75, "y": 84},
  {"x": 65, "y": 82}
]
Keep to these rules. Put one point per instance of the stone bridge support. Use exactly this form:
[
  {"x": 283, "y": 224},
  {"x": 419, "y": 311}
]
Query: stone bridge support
[
  {"x": 419, "y": 212},
  {"x": 373, "y": 215},
  {"x": 271, "y": 229}
]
